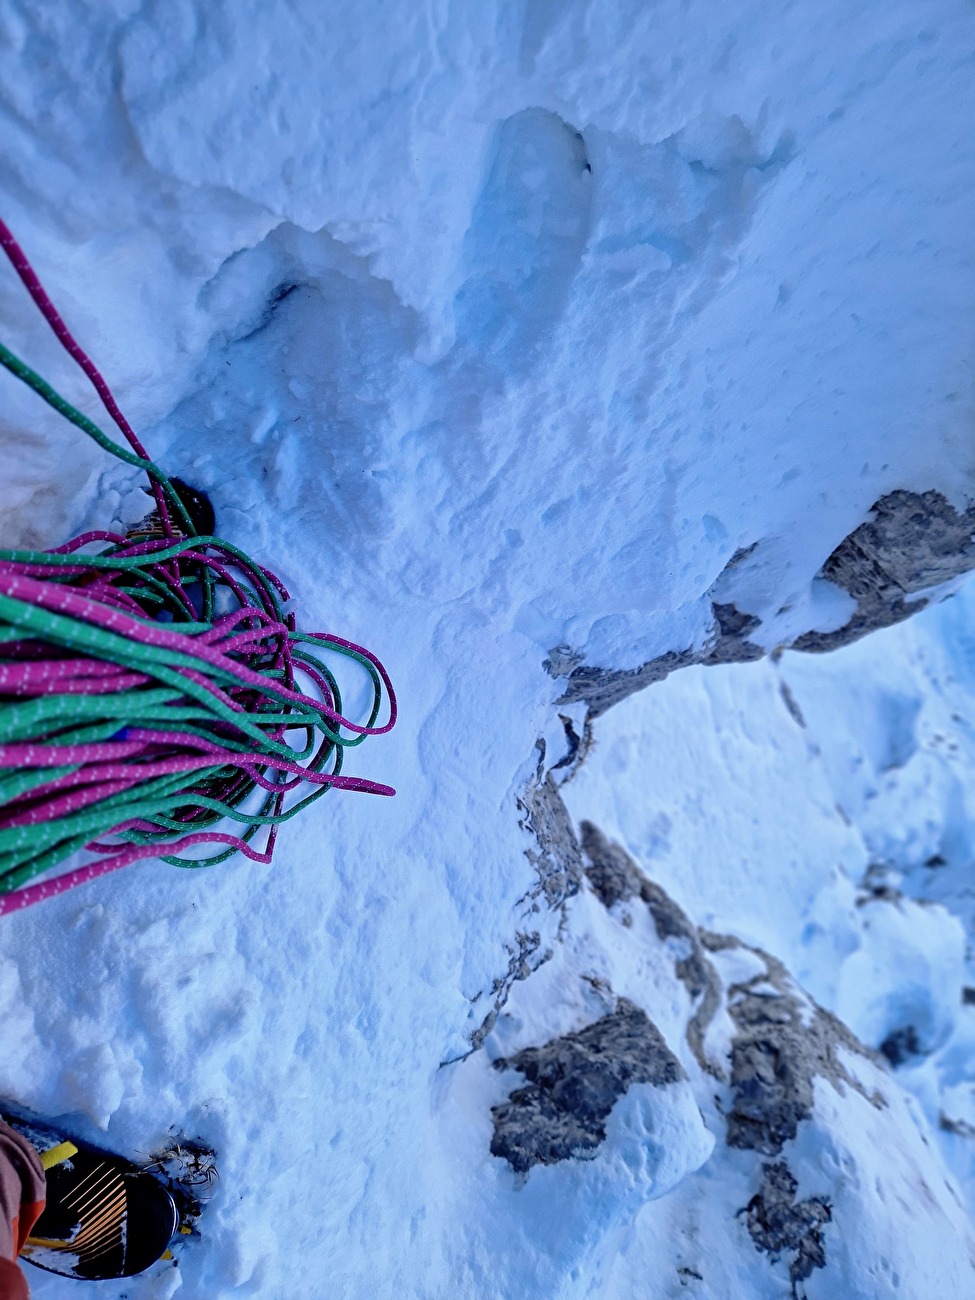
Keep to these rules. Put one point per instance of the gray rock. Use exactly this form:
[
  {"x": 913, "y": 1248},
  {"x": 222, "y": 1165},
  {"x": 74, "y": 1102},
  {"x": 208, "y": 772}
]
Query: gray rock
[
  {"x": 778, "y": 1223},
  {"x": 784, "y": 1042},
  {"x": 557, "y": 859},
  {"x": 912, "y": 542},
  {"x": 616, "y": 877},
  {"x": 601, "y": 688},
  {"x": 524, "y": 956},
  {"x": 573, "y": 1083},
  {"x": 613, "y": 874},
  {"x": 556, "y": 856},
  {"x": 731, "y": 645}
]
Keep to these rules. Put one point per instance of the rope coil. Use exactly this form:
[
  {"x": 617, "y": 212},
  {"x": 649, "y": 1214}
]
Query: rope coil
[{"x": 151, "y": 686}]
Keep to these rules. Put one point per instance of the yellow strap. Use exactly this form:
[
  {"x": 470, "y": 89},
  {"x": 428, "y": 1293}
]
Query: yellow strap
[
  {"x": 57, "y": 1155},
  {"x": 185, "y": 1229}
]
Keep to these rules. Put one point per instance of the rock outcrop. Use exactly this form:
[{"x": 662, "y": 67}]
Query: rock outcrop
[
  {"x": 792, "y": 1090},
  {"x": 573, "y": 1083},
  {"x": 912, "y": 544}
]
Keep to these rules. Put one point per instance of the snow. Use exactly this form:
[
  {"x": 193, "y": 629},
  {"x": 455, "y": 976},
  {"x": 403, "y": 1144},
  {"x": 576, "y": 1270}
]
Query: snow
[{"x": 495, "y": 329}]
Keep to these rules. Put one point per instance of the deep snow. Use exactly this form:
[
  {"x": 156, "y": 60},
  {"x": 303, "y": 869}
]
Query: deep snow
[{"x": 494, "y": 329}]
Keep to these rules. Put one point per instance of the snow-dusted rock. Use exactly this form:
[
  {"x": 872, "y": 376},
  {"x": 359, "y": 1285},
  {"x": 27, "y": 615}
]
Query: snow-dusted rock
[
  {"x": 913, "y": 548},
  {"x": 573, "y": 1084},
  {"x": 782, "y": 1044},
  {"x": 780, "y": 1224},
  {"x": 834, "y": 1152},
  {"x": 913, "y": 544}
]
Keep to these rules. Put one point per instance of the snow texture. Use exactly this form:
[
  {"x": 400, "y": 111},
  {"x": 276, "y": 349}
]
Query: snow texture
[{"x": 527, "y": 341}]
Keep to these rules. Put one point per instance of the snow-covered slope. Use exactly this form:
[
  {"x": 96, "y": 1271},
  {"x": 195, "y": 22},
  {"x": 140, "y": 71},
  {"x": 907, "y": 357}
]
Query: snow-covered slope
[
  {"x": 816, "y": 809},
  {"x": 501, "y": 331}
]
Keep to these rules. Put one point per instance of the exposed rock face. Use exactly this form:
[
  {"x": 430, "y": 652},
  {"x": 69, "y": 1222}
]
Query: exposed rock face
[
  {"x": 912, "y": 543},
  {"x": 574, "y": 1082},
  {"x": 784, "y": 1040},
  {"x": 613, "y": 874},
  {"x": 557, "y": 860},
  {"x": 778, "y": 1223},
  {"x": 783, "y": 1044},
  {"x": 799, "y": 1099},
  {"x": 601, "y": 688},
  {"x": 615, "y": 877},
  {"x": 731, "y": 645}
]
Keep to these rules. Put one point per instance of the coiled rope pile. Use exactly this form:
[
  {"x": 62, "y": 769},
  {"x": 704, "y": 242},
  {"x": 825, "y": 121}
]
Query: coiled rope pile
[{"x": 153, "y": 686}]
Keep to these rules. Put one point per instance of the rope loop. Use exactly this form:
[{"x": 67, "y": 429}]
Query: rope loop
[{"x": 154, "y": 685}]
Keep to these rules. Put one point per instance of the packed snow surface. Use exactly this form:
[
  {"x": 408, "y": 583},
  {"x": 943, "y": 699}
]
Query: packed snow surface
[{"x": 495, "y": 329}]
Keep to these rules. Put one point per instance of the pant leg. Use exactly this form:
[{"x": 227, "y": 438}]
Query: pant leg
[
  {"x": 13, "y": 1284},
  {"x": 21, "y": 1201}
]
